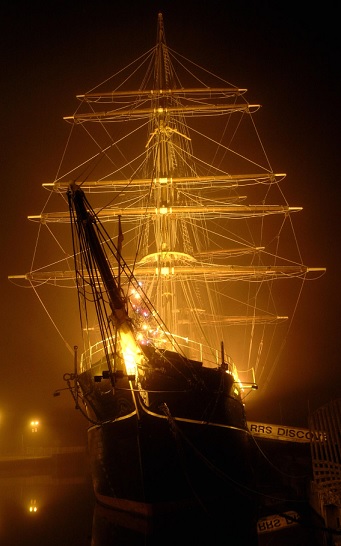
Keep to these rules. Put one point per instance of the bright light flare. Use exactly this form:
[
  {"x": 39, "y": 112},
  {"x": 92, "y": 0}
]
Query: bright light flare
[
  {"x": 33, "y": 508},
  {"x": 34, "y": 425},
  {"x": 131, "y": 352}
]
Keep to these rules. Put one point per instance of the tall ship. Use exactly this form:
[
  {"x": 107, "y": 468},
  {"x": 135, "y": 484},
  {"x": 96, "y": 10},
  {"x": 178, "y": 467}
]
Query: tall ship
[{"x": 179, "y": 246}]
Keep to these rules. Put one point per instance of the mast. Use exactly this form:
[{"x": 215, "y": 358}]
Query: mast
[
  {"x": 161, "y": 162},
  {"x": 128, "y": 347},
  {"x": 86, "y": 223}
]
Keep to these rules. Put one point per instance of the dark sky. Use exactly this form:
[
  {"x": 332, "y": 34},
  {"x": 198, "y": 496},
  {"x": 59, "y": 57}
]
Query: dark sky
[{"x": 286, "y": 57}]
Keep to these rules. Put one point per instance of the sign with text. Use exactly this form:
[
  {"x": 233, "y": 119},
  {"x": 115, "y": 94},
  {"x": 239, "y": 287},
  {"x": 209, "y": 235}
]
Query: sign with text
[
  {"x": 277, "y": 522},
  {"x": 280, "y": 432}
]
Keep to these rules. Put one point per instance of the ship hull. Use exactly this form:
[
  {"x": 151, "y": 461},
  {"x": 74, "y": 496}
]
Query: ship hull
[
  {"x": 151, "y": 456},
  {"x": 148, "y": 470}
]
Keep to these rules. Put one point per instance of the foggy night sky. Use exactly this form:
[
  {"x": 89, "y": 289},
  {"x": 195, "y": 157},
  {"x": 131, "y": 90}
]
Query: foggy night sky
[{"x": 287, "y": 59}]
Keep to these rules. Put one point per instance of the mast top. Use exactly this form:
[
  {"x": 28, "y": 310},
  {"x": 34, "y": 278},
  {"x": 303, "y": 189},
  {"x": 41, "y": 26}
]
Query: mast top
[
  {"x": 162, "y": 64},
  {"x": 161, "y": 38}
]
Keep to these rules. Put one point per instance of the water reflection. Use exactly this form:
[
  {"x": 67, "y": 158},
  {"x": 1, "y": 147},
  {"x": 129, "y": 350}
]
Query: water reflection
[
  {"x": 113, "y": 528},
  {"x": 50, "y": 502},
  {"x": 44, "y": 503}
]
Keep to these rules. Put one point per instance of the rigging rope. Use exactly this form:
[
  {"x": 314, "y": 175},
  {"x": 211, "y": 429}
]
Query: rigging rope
[{"x": 69, "y": 348}]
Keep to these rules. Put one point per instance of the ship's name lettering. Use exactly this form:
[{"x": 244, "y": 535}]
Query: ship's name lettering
[
  {"x": 272, "y": 523},
  {"x": 281, "y": 433}
]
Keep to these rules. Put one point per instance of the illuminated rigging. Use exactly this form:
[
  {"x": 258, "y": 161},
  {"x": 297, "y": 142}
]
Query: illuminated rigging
[{"x": 206, "y": 254}]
